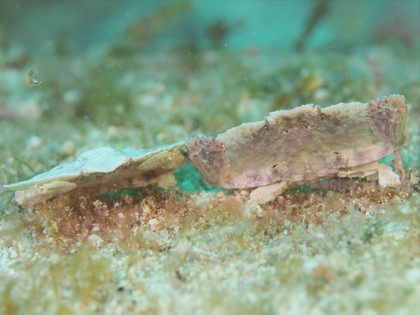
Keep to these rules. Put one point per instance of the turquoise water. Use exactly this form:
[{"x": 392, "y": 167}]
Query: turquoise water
[{"x": 271, "y": 24}]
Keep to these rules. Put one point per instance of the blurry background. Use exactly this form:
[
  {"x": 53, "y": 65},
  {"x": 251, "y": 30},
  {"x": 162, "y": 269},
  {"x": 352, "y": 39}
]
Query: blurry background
[
  {"x": 279, "y": 24},
  {"x": 198, "y": 67}
]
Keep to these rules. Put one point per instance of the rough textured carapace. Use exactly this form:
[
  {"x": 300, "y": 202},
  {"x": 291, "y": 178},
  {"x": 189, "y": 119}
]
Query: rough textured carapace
[{"x": 304, "y": 145}]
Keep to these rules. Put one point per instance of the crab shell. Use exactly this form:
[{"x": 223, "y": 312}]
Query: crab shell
[
  {"x": 99, "y": 171},
  {"x": 302, "y": 145}
]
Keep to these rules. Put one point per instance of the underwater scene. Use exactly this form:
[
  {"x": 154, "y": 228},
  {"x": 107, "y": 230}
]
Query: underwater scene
[{"x": 209, "y": 157}]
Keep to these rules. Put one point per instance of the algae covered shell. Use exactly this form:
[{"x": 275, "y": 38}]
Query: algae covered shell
[
  {"x": 305, "y": 145},
  {"x": 99, "y": 171},
  {"x": 302, "y": 145}
]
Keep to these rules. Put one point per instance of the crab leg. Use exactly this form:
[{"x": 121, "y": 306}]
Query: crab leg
[
  {"x": 373, "y": 170},
  {"x": 266, "y": 193},
  {"x": 398, "y": 164}
]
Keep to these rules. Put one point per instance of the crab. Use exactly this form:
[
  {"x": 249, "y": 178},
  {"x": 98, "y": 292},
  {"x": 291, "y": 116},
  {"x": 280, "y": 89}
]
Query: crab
[
  {"x": 305, "y": 145},
  {"x": 289, "y": 147},
  {"x": 98, "y": 171}
]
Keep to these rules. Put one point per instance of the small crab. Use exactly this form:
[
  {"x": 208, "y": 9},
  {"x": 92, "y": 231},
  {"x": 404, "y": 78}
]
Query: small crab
[
  {"x": 98, "y": 171},
  {"x": 299, "y": 146}
]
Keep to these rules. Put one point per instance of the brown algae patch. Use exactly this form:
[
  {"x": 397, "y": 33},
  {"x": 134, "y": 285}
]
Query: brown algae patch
[{"x": 124, "y": 217}]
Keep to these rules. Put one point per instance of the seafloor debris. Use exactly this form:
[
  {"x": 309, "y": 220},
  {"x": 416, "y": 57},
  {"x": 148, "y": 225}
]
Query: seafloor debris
[{"x": 290, "y": 147}]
